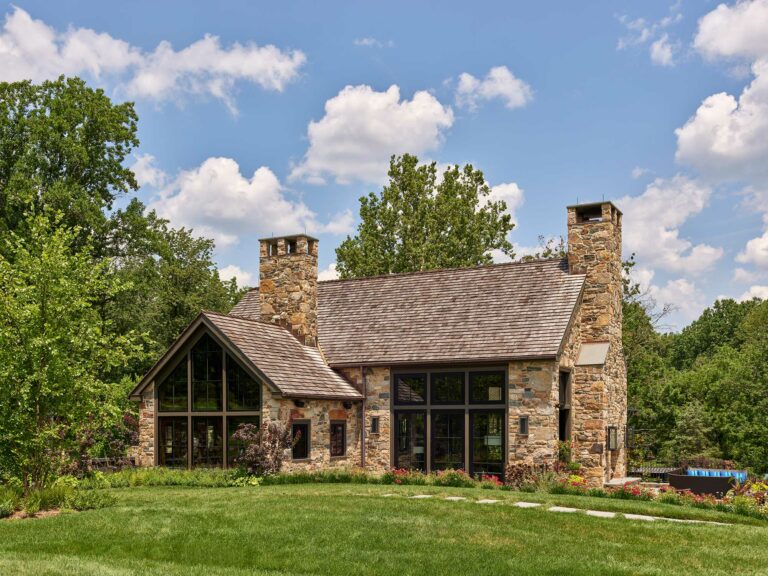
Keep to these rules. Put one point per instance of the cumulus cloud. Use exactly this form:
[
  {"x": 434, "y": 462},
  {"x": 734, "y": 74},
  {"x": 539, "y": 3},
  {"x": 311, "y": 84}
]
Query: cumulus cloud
[
  {"x": 31, "y": 49},
  {"x": 734, "y": 31},
  {"x": 688, "y": 300},
  {"x": 754, "y": 292},
  {"x": 638, "y": 172},
  {"x": 362, "y": 128},
  {"x": 755, "y": 252},
  {"x": 499, "y": 84},
  {"x": 218, "y": 201},
  {"x": 511, "y": 194},
  {"x": 744, "y": 276},
  {"x": 658, "y": 213},
  {"x": 242, "y": 277},
  {"x": 147, "y": 172},
  {"x": 329, "y": 273}
]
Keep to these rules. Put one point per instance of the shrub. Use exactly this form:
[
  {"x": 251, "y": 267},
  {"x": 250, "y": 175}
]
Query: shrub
[
  {"x": 631, "y": 492},
  {"x": 564, "y": 451},
  {"x": 48, "y": 498},
  {"x": 200, "y": 477},
  {"x": 7, "y": 507},
  {"x": 264, "y": 447},
  {"x": 90, "y": 500},
  {"x": 404, "y": 476},
  {"x": 454, "y": 478}
]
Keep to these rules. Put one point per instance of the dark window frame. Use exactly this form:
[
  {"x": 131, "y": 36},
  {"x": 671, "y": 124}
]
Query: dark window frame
[
  {"x": 308, "y": 424},
  {"x": 523, "y": 425},
  {"x": 396, "y": 436},
  {"x": 431, "y": 378},
  {"x": 375, "y": 424},
  {"x": 504, "y": 387},
  {"x": 473, "y": 414},
  {"x": 343, "y": 424},
  {"x": 396, "y": 392}
]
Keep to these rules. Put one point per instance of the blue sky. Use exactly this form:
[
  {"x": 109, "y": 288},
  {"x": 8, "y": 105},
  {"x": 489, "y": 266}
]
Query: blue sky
[{"x": 262, "y": 118}]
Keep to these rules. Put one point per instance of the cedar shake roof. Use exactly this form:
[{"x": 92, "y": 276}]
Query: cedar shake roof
[
  {"x": 298, "y": 371},
  {"x": 487, "y": 313},
  {"x": 248, "y": 306}
]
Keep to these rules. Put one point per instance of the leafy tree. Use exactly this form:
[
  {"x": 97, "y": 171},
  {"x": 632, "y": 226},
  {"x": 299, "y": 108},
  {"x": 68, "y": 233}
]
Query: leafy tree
[
  {"x": 548, "y": 248},
  {"x": 55, "y": 351},
  {"x": 170, "y": 276},
  {"x": 62, "y": 148},
  {"x": 419, "y": 222},
  {"x": 264, "y": 446}
]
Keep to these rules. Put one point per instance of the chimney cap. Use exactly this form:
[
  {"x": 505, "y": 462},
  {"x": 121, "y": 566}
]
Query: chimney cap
[
  {"x": 595, "y": 204},
  {"x": 288, "y": 237}
]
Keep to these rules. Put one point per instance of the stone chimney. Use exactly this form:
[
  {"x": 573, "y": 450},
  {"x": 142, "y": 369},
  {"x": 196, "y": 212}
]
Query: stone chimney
[
  {"x": 288, "y": 284},
  {"x": 599, "y": 378}
]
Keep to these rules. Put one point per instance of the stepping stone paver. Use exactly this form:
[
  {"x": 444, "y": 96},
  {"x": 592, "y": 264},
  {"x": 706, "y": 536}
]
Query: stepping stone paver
[
  {"x": 639, "y": 517},
  {"x": 487, "y": 501},
  {"x": 562, "y": 509},
  {"x": 388, "y": 495},
  {"x": 601, "y": 514},
  {"x": 420, "y": 496},
  {"x": 527, "y": 504},
  {"x": 455, "y": 498}
]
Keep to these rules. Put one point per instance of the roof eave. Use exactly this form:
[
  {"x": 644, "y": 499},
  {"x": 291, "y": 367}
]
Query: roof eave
[{"x": 447, "y": 361}]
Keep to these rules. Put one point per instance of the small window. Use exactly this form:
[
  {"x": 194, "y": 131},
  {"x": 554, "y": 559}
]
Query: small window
[
  {"x": 375, "y": 425},
  {"x": 272, "y": 249},
  {"x": 301, "y": 440},
  {"x": 522, "y": 426},
  {"x": 411, "y": 388},
  {"x": 290, "y": 246},
  {"x": 338, "y": 438}
]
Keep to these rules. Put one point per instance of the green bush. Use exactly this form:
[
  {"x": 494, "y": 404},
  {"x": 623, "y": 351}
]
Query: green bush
[
  {"x": 7, "y": 507},
  {"x": 453, "y": 478},
  {"x": 49, "y": 498},
  {"x": 90, "y": 500},
  {"x": 199, "y": 478}
]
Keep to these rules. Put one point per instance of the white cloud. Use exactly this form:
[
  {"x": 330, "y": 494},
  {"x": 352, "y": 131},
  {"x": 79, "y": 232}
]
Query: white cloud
[
  {"x": 726, "y": 138},
  {"x": 362, "y": 128},
  {"x": 755, "y": 252},
  {"x": 638, "y": 172},
  {"x": 219, "y": 202},
  {"x": 370, "y": 42},
  {"x": 735, "y": 31},
  {"x": 744, "y": 276},
  {"x": 498, "y": 83},
  {"x": 147, "y": 173},
  {"x": 657, "y": 214},
  {"x": 31, "y": 49},
  {"x": 662, "y": 51},
  {"x": 329, "y": 273},
  {"x": 512, "y": 195},
  {"x": 683, "y": 294},
  {"x": 754, "y": 292},
  {"x": 640, "y": 31},
  {"x": 242, "y": 277}
]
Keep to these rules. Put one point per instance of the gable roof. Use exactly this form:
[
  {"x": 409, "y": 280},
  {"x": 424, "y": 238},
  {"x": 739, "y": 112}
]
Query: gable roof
[
  {"x": 271, "y": 352},
  {"x": 248, "y": 306},
  {"x": 500, "y": 312}
]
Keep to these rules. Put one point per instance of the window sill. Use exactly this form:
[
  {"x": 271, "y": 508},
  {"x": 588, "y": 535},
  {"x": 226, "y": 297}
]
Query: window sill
[
  {"x": 301, "y": 459},
  {"x": 343, "y": 457}
]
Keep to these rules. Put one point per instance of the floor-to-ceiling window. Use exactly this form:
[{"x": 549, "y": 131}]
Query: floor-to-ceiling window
[
  {"x": 450, "y": 419},
  {"x": 201, "y": 400}
]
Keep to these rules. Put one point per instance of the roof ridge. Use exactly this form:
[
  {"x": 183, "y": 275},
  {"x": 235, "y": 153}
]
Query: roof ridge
[{"x": 441, "y": 270}]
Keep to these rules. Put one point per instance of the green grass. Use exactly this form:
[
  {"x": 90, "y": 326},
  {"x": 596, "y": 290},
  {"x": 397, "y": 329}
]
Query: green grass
[{"x": 352, "y": 529}]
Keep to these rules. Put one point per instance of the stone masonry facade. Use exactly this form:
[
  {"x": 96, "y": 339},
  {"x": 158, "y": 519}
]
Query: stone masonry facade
[{"x": 288, "y": 285}]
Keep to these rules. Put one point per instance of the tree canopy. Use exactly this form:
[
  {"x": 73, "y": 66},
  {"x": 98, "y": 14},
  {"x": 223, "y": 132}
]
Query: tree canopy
[{"x": 422, "y": 222}]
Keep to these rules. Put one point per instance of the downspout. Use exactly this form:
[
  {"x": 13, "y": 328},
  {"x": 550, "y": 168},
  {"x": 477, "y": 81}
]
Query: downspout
[{"x": 362, "y": 418}]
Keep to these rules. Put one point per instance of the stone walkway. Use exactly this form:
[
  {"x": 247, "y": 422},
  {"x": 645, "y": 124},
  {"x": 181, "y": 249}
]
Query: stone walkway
[{"x": 567, "y": 510}]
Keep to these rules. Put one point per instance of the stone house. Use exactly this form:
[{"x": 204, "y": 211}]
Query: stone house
[{"x": 470, "y": 368}]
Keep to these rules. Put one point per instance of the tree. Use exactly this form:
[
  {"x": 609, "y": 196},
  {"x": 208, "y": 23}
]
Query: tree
[
  {"x": 169, "y": 274},
  {"x": 62, "y": 149},
  {"x": 419, "y": 223},
  {"x": 264, "y": 447},
  {"x": 56, "y": 353}
]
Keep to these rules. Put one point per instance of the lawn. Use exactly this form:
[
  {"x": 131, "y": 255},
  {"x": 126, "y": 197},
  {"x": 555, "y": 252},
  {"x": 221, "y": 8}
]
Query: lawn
[{"x": 354, "y": 529}]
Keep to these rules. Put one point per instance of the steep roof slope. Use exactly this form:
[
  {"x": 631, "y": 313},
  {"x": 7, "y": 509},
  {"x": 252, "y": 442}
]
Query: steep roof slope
[
  {"x": 486, "y": 313},
  {"x": 248, "y": 306},
  {"x": 296, "y": 370}
]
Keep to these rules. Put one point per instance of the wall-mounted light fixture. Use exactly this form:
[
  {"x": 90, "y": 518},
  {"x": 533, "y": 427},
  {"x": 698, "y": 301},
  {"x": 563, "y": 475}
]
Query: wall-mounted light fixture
[
  {"x": 298, "y": 403},
  {"x": 347, "y": 405},
  {"x": 613, "y": 438}
]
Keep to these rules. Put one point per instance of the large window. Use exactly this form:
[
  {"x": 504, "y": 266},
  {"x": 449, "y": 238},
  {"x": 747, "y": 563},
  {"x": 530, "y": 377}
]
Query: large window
[
  {"x": 172, "y": 392},
  {"x": 450, "y": 419},
  {"x": 411, "y": 440},
  {"x": 172, "y": 441},
  {"x": 207, "y": 364},
  {"x": 201, "y": 401}
]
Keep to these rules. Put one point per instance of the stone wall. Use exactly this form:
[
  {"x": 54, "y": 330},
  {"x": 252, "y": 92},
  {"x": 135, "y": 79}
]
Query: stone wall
[
  {"x": 288, "y": 285},
  {"x": 145, "y": 455},
  {"x": 599, "y": 393},
  {"x": 320, "y": 413},
  {"x": 533, "y": 390},
  {"x": 377, "y": 400}
]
